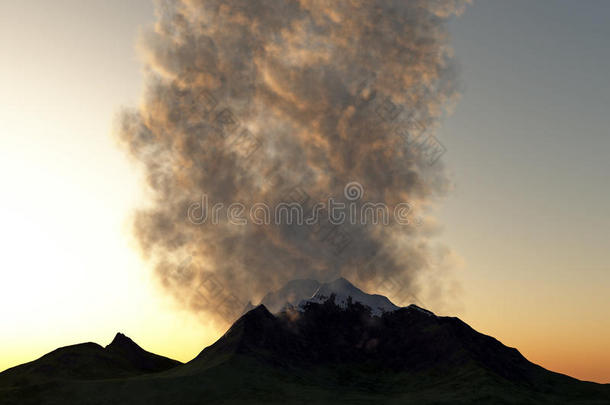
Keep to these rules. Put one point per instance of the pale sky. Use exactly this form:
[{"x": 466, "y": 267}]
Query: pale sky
[{"x": 527, "y": 147}]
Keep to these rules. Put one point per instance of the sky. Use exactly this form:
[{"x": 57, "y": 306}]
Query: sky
[{"x": 526, "y": 147}]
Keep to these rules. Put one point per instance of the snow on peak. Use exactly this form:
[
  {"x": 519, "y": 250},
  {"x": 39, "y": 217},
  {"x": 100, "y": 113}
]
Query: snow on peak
[
  {"x": 297, "y": 293},
  {"x": 342, "y": 290},
  {"x": 290, "y": 295}
]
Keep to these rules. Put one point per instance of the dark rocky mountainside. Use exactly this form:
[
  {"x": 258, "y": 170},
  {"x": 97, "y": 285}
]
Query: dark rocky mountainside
[
  {"x": 87, "y": 361},
  {"x": 322, "y": 353},
  {"x": 403, "y": 350}
]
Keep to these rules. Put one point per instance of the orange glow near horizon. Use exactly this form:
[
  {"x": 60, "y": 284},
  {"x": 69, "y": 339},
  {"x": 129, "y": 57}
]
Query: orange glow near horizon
[{"x": 71, "y": 272}]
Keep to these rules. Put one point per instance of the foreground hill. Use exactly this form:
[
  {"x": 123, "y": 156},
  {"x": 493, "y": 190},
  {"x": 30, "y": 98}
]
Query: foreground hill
[
  {"x": 331, "y": 352},
  {"x": 85, "y": 361}
]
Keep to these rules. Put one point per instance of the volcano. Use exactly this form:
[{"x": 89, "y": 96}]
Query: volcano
[{"x": 340, "y": 346}]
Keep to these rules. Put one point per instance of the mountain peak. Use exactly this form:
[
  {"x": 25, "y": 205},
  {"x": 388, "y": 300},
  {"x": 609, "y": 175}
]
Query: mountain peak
[
  {"x": 341, "y": 283},
  {"x": 121, "y": 340},
  {"x": 137, "y": 357},
  {"x": 289, "y": 295},
  {"x": 260, "y": 310},
  {"x": 341, "y": 291},
  {"x": 297, "y": 293}
]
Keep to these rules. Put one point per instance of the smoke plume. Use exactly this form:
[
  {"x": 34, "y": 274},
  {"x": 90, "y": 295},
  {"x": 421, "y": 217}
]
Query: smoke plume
[{"x": 290, "y": 101}]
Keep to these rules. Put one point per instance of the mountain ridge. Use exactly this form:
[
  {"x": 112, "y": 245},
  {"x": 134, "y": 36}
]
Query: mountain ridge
[
  {"x": 88, "y": 361},
  {"x": 324, "y": 351}
]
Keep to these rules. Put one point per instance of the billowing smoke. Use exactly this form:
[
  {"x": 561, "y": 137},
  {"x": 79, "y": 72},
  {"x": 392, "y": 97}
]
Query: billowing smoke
[{"x": 263, "y": 103}]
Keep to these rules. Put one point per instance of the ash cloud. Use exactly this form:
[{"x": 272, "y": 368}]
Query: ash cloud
[{"x": 254, "y": 102}]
